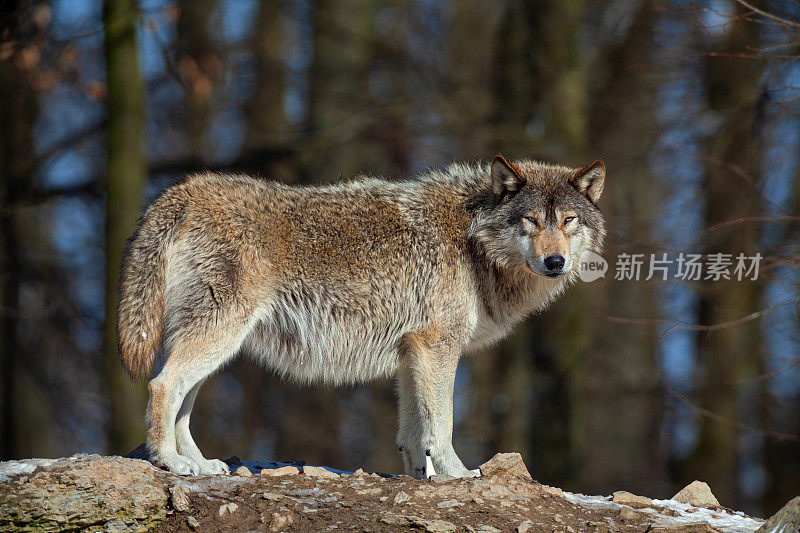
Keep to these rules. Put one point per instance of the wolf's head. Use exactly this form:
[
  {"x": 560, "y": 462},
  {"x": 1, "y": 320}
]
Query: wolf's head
[{"x": 541, "y": 217}]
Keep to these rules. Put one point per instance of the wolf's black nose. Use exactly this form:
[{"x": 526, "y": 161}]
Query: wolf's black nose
[{"x": 554, "y": 262}]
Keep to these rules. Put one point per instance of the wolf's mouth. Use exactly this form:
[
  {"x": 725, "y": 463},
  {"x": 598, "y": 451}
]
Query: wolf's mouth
[{"x": 548, "y": 275}]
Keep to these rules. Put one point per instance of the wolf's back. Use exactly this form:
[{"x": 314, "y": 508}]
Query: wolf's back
[{"x": 140, "y": 314}]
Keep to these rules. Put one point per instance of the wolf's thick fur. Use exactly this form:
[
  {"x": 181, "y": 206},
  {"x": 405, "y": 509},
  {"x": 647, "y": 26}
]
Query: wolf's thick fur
[{"x": 346, "y": 283}]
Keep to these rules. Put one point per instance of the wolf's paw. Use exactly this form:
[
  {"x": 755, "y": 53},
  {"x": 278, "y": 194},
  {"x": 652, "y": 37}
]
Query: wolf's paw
[
  {"x": 178, "y": 464},
  {"x": 210, "y": 467}
]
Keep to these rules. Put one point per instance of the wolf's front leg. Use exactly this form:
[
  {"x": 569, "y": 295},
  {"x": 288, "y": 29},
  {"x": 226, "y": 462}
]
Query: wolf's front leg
[{"x": 425, "y": 386}]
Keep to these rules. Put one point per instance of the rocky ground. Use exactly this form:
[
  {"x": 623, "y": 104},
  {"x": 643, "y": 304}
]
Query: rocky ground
[{"x": 96, "y": 493}]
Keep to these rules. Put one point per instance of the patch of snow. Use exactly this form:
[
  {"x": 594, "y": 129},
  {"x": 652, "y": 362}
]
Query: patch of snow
[
  {"x": 592, "y": 502},
  {"x": 729, "y": 521},
  {"x": 257, "y": 466},
  {"x": 721, "y": 519}
]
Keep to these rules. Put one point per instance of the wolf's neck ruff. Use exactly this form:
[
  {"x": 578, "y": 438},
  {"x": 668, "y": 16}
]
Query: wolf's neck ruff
[{"x": 346, "y": 283}]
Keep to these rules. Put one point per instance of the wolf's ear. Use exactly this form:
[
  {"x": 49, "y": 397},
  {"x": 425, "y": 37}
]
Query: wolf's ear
[
  {"x": 589, "y": 180},
  {"x": 505, "y": 178}
]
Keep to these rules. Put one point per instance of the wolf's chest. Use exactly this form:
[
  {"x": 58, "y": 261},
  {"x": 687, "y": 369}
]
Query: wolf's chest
[{"x": 486, "y": 333}]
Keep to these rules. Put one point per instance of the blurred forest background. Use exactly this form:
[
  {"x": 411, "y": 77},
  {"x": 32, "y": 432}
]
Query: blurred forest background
[{"x": 636, "y": 385}]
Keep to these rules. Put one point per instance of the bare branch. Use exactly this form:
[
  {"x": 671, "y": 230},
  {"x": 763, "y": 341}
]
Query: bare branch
[
  {"x": 781, "y": 20},
  {"x": 744, "y": 220},
  {"x": 699, "y": 327},
  {"x": 733, "y": 423}
]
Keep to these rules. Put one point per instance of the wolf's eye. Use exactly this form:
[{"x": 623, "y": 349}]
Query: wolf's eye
[
  {"x": 569, "y": 219},
  {"x": 532, "y": 220}
]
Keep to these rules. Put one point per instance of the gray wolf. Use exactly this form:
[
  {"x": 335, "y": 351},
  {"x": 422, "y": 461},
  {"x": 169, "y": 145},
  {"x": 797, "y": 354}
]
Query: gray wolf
[{"x": 346, "y": 283}]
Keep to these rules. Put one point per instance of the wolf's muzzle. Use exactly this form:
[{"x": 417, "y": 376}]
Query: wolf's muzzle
[{"x": 554, "y": 265}]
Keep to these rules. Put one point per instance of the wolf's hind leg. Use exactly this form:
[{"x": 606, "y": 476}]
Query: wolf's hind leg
[
  {"x": 183, "y": 437},
  {"x": 185, "y": 442},
  {"x": 190, "y": 360},
  {"x": 425, "y": 386}
]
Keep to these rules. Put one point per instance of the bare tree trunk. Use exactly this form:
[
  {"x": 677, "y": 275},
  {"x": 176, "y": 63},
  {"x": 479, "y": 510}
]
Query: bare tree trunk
[
  {"x": 560, "y": 75},
  {"x": 619, "y": 373},
  {"x": 199, "y": 67},
  {"x": 124, "y": 186},
  {"x": 339, "y": 90},
  {"x": 269, "y": 129},
  {"x": 472, "y": 101},
  {"x": 731, "y": 191},
  {"x": 17, "y": 114}
]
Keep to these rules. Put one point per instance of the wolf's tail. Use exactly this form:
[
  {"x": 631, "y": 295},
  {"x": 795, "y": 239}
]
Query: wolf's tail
[{"x": 140, "y": 314}]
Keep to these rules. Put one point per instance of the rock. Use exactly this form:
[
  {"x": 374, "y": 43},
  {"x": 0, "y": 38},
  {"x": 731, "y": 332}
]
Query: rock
[
  {"x": 279, "y": 521},
  {"x": 449, "y": 503},
  {"x": 81, "y": 491},
  {"x": 192, "y": 522},
  {"x": 282, "y": 471},
  {"x": 786, "y": 519},
  {"x": 360, "y": 472},
  {"x": 411, "y": 521},
  {"x": 179, "y": 498},
  {"x": 243, "y": 471},
  {"x": 697, "y": 493},
  {"x": 508, "y": 464},
  {"x": 554, "y": 491},
  {"x": 631, "y": 500},
  {"x": 524, "y": 526},
  {"x": 374, "y": 491},
  {"x": 318, "y": 471},
  {"x": 115, "y": 494},
  {"x": 497, "y": 491},
  {"x": 227, "y": 508},
  {"x": 626, "y": 513}
]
